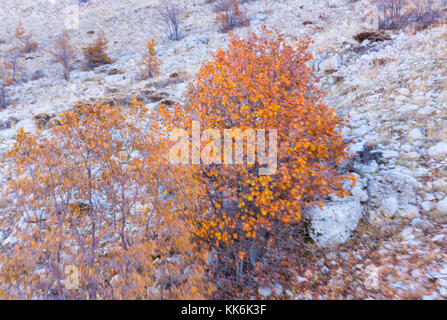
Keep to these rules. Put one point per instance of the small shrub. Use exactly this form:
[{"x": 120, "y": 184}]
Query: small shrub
[
  {"x": 14, "y": 57},
  {"x": 395, "y": 14},
  {"x": 26, "y": 44},
  {"x": 6, "y": 80},
  {"x": 94, "y": 54},
  {"x": 64, "y": 54},
  {"x": 150, "y": 62},
  {"x": 229, "y": 15},
  {"x": 390, "y": 13},
  {"x": 170, "y": 14},
  {"x": 424, "y": 12}
]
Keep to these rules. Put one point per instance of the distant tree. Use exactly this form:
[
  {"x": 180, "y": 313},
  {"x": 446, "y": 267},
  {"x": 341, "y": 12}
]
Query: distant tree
[
  {"x": 64, "y": 53},
  {"x": 26, "y": 44},
  {"x": 6, "y": 80},
  {"x": 150, "y": 65},
  {"x": 14, "y": 57}
]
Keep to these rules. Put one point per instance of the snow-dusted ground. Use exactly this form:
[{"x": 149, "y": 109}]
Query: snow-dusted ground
[{"x": 393, "y": 93}]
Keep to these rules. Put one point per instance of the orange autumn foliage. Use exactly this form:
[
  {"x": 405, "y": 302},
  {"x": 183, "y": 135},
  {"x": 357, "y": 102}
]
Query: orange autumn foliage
[
  {"x": 26, "y": 44},
  {"x": 150, "y": 65},
  {"x": 262, "y": 82},
  {"x": 89, "y": 212},
  {"x": 94, "y": 53}
]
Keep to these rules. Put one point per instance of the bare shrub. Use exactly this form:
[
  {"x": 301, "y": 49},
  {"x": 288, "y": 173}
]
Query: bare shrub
[
  {"x": 64, "y": 53},
  {"x": 394, "y": 14},
  {"x": 6, "y": 80},
  {"x": 170, "y": 14},
  {"x": 424, "y": 12},
  {"x": 390, "y": 13},
  {"x": 14, "y": 56},
  {"x": 229, "y": 15}
]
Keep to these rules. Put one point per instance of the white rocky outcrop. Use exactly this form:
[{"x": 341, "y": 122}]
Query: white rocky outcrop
[{"x": 392, "y": 194}]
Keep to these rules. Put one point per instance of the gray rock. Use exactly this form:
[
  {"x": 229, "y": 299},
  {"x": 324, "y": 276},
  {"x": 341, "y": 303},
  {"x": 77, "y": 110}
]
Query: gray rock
[
  {"x": 442, "y": 206},
  {"x": 6, "y": 124},
  {"x": 438, "y": 151},
  {"x": 438, "y": 238},
  {"x": 409, "y": 212},
  {"x": 420, "y": 223},
  {"x": 390, "y": 192},
  {"x": 427, "y": 205},
  {"x": 411, "y": 156},
  {"x": 426, "y": 111},
  {"x": 390, "y": 154},
  {"x": 401, "y": 98},
  {"x": 370, "y": 167},
  {"x": 421, "y": 172},
  {"x": 389, "y": 207},
  {"x": 415, "y": 134},
  {"x": 277, "y": 289},
  {"x": 334, "y": 223},
  {"x": 442, "y": 98},
  {"x": 442, "y": 282},
  {"x": 264, "y": 291},
  {"x": 407, "y": 110},
  {"x": 403, "y": 91},
  {"x": 27, "y": 125},
  {"x": 430, "y": 297},
  {"x": 360, "y": 194},
  {"x": 440, "y": 185},
  {"x": 407, "y": 234}
]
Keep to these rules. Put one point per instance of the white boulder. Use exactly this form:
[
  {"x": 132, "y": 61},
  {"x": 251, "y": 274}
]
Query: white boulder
[
  {"x": 442, "y": 206},
  {"x": 334, "y": 222},
  {"x": 389, "y": 207},
  {"x": 442, "y": 98},
  {"x": 415, "y": 134},
  {"x": 438, "y": 151}
]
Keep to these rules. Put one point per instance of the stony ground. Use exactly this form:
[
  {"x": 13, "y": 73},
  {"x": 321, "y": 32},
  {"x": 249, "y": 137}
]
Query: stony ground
[{"x": 392, "y": 95}]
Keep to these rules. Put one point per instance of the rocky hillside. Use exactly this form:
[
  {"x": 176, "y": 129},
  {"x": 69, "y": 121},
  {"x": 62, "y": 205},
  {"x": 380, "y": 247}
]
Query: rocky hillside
[{"x": 389, "y": 238}]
